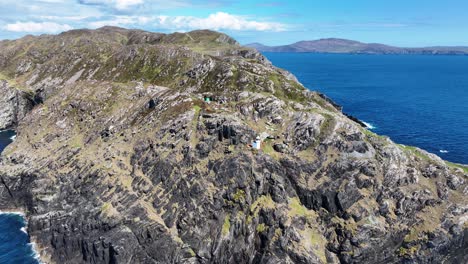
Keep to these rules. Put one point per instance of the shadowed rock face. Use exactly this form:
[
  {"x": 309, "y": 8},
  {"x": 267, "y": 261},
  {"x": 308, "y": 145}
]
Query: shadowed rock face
[{"x": 121, "y": 160}]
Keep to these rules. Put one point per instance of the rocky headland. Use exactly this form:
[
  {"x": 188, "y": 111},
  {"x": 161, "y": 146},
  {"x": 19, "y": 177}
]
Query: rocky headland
[{"x": 120, "y": 159}]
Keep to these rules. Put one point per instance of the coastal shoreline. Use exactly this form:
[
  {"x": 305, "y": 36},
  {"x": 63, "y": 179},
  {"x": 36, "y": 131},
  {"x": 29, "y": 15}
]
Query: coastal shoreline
[
  {"x": 40, "y": 252},
  {"x": 37, "y": 250}
]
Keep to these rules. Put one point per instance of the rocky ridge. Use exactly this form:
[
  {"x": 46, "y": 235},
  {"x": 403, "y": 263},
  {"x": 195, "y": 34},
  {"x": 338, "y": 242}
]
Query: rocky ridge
[{"x": 118, "y": 159}]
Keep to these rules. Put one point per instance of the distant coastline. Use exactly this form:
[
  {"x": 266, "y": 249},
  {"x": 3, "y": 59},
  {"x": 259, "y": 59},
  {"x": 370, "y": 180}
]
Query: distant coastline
[{"x": 344, "y": 46}]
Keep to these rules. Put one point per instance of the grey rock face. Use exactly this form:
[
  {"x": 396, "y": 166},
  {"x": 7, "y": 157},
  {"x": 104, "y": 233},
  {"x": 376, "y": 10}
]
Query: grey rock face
[{"x": 14, "y": 104}]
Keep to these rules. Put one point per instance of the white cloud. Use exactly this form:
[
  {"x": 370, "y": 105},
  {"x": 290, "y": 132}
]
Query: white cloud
[
  {"x": 124, "y": 4},
  {"x": 34, "y": 27},
  {"x": 51, "y": 1},
  {"x": 221, "y": 20},
  {"x": 118, "y": 4},
  {"x": 73, "y": 18},
  {"x": 118, "y": 21},
  {"x": 215, "y": 21}
]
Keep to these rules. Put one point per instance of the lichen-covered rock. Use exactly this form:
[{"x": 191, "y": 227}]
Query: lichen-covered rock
[{"x": 122, "y": 160}]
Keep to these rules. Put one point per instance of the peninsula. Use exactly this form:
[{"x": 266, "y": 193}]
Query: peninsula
[{"x": 141, "y": 147}]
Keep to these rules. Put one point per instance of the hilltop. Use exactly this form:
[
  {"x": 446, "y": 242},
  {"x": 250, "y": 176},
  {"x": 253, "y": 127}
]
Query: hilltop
[{"x": 120, "y": 158}]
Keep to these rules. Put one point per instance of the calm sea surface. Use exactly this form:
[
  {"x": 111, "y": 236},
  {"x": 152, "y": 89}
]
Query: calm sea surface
[
  {"x": 415, "y": 100},
  {"x": 15, "y": 246}
]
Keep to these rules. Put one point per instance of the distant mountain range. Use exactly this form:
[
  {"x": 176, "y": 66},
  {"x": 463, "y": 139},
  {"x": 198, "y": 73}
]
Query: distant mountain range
[{"x": 334, "y": 45}]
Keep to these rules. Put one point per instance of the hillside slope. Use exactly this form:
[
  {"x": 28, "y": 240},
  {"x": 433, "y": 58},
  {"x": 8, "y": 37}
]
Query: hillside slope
[
  {"x": 334, "y": 45},
  {"x": 118, "y": 159}
]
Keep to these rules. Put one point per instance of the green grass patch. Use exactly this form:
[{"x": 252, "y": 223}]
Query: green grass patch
[
  {"x": 14, "y": 84},
  {"x": 107, "y": 209},
  {"x": 226, "y": 225},
  {"x": 431, "y": 219},
  {"x": 407, "y": 252},
  {"x": 5, "y": 77},
  {"x": 415, "y": 151},
  {"x": 261, "y": 228},
  {"x": 197, "y": 109},
  {"x": 287, "y": 90},
  {"x": 76, "y": 141},
  {"x": 239, "y": 196},
  {"x": 296, "y": 208},
  {"x": 267, "y": 148},
  {"x": 457, "y": 166},
  {"x": 264, "y": 201},
  {"x": 326, "y": 128},
  {"x": 369, "y": 133}
]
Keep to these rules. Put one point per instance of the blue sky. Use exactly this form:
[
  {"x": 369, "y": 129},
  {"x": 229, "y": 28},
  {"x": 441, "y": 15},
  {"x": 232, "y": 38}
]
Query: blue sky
[{"x": 397, "y": 22}]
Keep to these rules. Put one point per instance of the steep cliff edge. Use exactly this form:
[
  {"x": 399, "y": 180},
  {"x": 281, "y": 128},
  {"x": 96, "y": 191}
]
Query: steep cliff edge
[
  {"x": 121, "y": 160},
  {"x": 14, "y": 104}
]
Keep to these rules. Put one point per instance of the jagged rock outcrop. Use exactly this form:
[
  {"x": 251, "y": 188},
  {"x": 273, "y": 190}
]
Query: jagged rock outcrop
[
  {"x": 122, "y": 161},
  {"x": 14, "y": 104}
]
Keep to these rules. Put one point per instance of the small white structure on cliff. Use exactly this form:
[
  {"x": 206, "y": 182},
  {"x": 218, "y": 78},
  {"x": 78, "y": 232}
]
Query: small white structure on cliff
[{"x": 257, "y": 143}]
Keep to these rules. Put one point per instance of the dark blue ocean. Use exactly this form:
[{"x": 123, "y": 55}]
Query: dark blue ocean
[
  {"x": 415, "y": 100},
  {"x": 15, "y": 247}
]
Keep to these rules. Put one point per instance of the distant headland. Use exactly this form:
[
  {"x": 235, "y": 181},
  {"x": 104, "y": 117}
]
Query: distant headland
[{"x": 335, "y": 45}]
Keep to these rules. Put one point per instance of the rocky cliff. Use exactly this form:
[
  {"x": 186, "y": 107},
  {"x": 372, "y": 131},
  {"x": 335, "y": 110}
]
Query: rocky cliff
[
  {"x": 119, "y": 159},
  {"x": 14, "y": 104}
]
